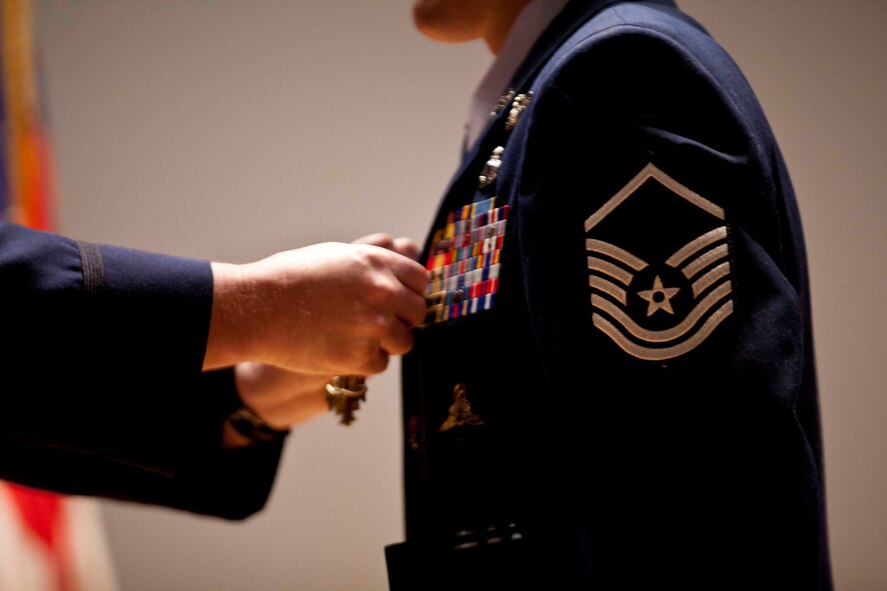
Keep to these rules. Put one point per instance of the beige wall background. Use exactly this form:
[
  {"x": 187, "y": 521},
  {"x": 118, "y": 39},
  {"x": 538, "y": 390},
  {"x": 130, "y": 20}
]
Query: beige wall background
[{"x": 228, "y": 129}]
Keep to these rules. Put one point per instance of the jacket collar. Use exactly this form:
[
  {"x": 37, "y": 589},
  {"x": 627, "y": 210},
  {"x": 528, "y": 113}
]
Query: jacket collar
[
  {"x": 574, "y": 15},
  {"x": 571, "y": 18}
]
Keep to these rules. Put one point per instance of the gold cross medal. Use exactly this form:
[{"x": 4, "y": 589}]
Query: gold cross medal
[{"x": 344, "y": 395}]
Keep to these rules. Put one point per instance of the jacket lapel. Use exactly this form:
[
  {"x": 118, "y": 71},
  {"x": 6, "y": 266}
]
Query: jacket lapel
[{"x": 464, "y": 182}]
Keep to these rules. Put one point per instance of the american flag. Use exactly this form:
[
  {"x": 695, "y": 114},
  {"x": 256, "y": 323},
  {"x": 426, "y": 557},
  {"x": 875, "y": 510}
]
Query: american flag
[{"x": 48, "y": 542}]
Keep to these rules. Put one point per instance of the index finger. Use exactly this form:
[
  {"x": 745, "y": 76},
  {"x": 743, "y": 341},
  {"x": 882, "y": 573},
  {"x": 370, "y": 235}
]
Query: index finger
[
  {"x": 406, "y": 247},
  {"x": 410, "y": 273}
]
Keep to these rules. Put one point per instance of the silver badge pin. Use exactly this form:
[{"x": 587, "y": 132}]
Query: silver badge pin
[
  {"x": 491, "y": 168},
  {"x": 502, "y": 103},
  {"x": 520, "y": 104}
]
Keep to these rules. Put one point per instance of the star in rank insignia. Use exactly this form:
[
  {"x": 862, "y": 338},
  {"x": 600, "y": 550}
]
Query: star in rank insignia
[{"x": 658, "y": 267}]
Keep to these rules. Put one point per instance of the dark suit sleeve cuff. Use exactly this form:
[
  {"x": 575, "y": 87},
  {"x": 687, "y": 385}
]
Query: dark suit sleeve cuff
[{"x": 229, "y": 483}]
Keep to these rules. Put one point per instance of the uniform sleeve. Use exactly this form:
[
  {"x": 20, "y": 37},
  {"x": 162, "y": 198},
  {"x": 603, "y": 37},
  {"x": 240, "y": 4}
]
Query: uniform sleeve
[
  {"x": 664, "y": 288},
  {"x": 103, "y": 392}
]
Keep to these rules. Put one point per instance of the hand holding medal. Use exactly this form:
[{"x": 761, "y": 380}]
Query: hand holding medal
[{"x": 345, "y": 393}]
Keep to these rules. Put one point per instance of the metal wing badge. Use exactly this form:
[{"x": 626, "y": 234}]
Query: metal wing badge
[{"x": 658, "y": 267}]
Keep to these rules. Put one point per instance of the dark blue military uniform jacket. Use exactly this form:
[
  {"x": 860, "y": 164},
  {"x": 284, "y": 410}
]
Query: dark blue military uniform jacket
[
  {"x": 102, "y": 390},
  {"x": 616, "y": 388}
]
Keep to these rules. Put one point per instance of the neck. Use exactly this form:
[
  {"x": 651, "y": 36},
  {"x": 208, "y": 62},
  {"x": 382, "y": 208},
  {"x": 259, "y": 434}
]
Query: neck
[{"x": 499, "y": 27}]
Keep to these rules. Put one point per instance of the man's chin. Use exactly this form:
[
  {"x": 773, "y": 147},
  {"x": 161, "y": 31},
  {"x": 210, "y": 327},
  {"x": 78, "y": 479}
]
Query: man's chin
[{"x": 448, "y": 21}]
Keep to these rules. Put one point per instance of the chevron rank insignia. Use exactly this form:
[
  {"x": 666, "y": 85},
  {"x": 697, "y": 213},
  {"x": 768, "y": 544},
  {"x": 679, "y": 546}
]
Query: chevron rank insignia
[{"x": 658, "y": 267}]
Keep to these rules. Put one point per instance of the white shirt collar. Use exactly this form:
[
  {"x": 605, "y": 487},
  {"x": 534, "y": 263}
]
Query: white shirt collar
[{"x": 528, "y": 26}]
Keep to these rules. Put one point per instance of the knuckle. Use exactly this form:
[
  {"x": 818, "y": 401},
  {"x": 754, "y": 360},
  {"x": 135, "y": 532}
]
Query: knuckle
[
  {"x": 373, "y": 268},
  {"x": 375, "y": 324},
  {"x": 373, "y": 255},
  {"x": 364, "y": 351},
  {"x": 406, "y": 247},
  {"x": 368, "y": 358},
  {"x": 413, "y": 311},
  {"x": 382, "y": 290},
  {"x": 383, "y": 240},
  {"x": 377, "y": 364},
  {"x": 407, "y": 343}
]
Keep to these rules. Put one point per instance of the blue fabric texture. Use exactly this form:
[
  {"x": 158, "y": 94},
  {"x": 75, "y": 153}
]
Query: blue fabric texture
[{"x": 607, "y": 460}]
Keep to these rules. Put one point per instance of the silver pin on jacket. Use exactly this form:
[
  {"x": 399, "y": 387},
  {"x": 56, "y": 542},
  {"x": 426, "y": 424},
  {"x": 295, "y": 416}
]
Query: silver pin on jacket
[
  {"x": 520, "y": 104},
  {"x": 491, "y": 168}
]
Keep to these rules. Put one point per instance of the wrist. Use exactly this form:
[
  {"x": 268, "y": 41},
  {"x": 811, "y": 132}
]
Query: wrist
[
  {"x": 232, "y": 326},
  {"x": 251, "y": 428},
  {"x": 231, "y": 439}
]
